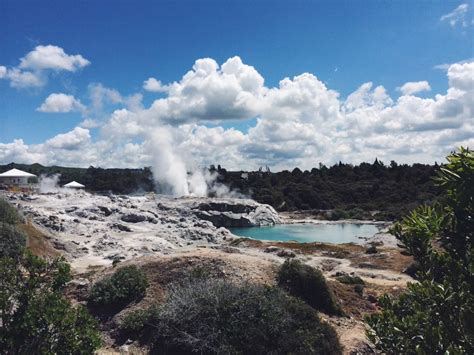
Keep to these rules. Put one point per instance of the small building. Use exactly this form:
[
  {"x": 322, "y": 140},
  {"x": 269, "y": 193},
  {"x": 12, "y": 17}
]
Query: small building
[
  {"x": 16, "y": 178},
  {"x": 74, "y": 185}
]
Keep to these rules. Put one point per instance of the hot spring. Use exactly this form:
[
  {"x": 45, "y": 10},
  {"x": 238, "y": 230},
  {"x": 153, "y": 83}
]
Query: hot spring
[{"x": 336, "y": 233}]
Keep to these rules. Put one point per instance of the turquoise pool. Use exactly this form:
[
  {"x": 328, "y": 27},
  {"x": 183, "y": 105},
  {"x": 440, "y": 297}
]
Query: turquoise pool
[{"x": 336, "y": 233}]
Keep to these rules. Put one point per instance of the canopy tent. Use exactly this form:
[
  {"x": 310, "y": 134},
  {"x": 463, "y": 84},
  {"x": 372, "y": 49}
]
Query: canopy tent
[
  {"x": 74, "y": 185},
  {"x": 15, "y": 173},
  {"x": 15, "y": 177}
]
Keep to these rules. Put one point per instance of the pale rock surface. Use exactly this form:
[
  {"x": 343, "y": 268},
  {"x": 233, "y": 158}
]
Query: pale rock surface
[{"x": 97, "y": 229}]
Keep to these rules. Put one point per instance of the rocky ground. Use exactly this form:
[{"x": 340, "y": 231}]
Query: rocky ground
[
  {"x": 98, "y": 229},
  {"x": 167, "y": 236}
]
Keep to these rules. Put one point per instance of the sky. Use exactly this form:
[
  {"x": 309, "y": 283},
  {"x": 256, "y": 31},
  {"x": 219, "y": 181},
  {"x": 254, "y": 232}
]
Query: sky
[{"x": 236, "y": 83}]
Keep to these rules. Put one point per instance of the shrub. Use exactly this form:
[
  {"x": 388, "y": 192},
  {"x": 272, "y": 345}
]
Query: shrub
[
  {"x": 359, "y": 289},
  {"x": 35, "y": 317},
  {"x": 435, "y": 315},
  {"x": 372, "y": 250},
  {"x": 309, "y": 284},
  {"x": 8, "y": 214},
  {"x": 12, "y": 241},
  {"x": 350, "y": 280},
  {"x": 138, "y": 324},
  {"x": 112, "y": 293},
  {"x": 338, "y": 214},
  {"x": 219, "y": 317}
]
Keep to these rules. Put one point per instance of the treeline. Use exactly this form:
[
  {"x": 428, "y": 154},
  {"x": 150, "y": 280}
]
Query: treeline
[
  {"x": 361, "y": 191},
  {"x": 350, "y": 191}
]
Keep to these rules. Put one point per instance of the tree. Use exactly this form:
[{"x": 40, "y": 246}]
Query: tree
[
  {"x": 435, "y": 315},
  {"x": 35, "y": 318}
]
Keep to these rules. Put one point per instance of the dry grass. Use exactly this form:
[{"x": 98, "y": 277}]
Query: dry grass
[{"x": 37, "y": 242}]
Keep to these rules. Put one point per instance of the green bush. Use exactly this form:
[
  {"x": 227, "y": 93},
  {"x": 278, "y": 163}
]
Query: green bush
[
  {"x": 372, "y": 250},
  {"x": 350, "y": 280},
  {"x": 138, "y": 324},
  {"x": 35, "y": 317},
  {"x": 12, "y": 241},
  {"x": 359, "y": 289},
  {"x": 218, "y": 317},
  {"x": 435, "y": 315},
  {"x": 309, "y": 284},
  {"x": 8, "y": 214},
  {"x": 112, "y": 293}
]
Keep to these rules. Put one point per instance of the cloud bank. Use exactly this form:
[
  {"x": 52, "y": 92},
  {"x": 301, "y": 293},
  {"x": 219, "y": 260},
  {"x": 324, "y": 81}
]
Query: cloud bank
[{"x": 299, "y": 122}]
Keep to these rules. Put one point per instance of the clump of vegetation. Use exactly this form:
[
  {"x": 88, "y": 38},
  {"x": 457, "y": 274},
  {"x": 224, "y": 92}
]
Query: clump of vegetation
[
  {"x": 35, "y": 317},
  {"x": 309, "y": 284},
  {"x": 218, "y": 317},
  {"x": 139, "y": 324},
  {"x": 8, "y": 213},
  {"x": 436, "y": 315},
  {"x": 112, "y": 293},
  {"x": 372, "y": 249},
  {"x": 359, "y": 289},
  {"x": 12, "y": 241},
  {"x": 350, "y": 280}
]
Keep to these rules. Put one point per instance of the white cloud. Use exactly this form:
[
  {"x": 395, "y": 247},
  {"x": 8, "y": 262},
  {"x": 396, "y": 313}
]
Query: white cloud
[
  {"x": 52, "y": 57},
  {"x": 154, "y": 85},
  {"x": 458, "y": 16},
  {"x": 34, "y": 67},
  {"x": 301, "y": 122},
  {"x": 70, "y": 140},
  {"x": 24, "y": 79},
  {"x": 413, "y": 87},
  {"x": 61, "y": 103},
  {"x": 210, "y": 93}
]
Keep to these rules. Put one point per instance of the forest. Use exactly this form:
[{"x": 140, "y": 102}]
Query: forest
[{"x": 364, "y": 191}]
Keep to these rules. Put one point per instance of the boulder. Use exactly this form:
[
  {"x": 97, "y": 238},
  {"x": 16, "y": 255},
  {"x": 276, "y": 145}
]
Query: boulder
[{"x": 133, "y": 218}]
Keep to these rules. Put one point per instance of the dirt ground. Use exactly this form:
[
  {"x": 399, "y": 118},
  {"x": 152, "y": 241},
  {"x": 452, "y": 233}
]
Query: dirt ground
[{"x": 245, "y": 260}]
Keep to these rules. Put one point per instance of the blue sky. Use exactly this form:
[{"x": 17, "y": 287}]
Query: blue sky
[{"x": 343, "y": 43}]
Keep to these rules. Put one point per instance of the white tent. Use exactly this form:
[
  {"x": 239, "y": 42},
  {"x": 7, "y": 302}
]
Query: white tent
[
  {"x": 15, "y": 177},
  {"x": 74, "y": 185}
]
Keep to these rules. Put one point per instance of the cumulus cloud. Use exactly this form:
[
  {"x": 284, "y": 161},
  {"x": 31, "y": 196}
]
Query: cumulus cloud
[
  {"x": 211, "y": 93},
  {"x": 61, "y": 103},
  {"x": 414, "y": 87},
  {"x": 70, "y": 140},
  {"x": 24, "y": 79},
  {"x": 300, "y": 122},
  {"x": 459, "y": 16},
  {"x": 154, "y": 85},
  {"x": 34, "y": 66},
  {"x": 52, "y": 57}
]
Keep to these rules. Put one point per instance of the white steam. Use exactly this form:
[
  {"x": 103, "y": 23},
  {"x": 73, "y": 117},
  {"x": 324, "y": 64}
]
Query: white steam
[
  {"x": 49, "y": 184},
  {"x": 174, "y": 176},
  {"x": 169, "y": 170}
]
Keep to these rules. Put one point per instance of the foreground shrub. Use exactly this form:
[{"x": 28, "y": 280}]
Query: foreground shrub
[
  {"x": 12, "y": 241},
  {"x": 350, "y": 280},
  {"x": 218, "y": 317},
  {"x": 436, "y": 315},
  {"x": 112, "y": 293},
  {"x": 8, "y": 214},
  {"x": 309, "y": 284},
  {"x": 35, "y": 317}
]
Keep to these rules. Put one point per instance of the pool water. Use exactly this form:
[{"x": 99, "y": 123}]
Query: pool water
[{"x": 336, "y": 233}]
